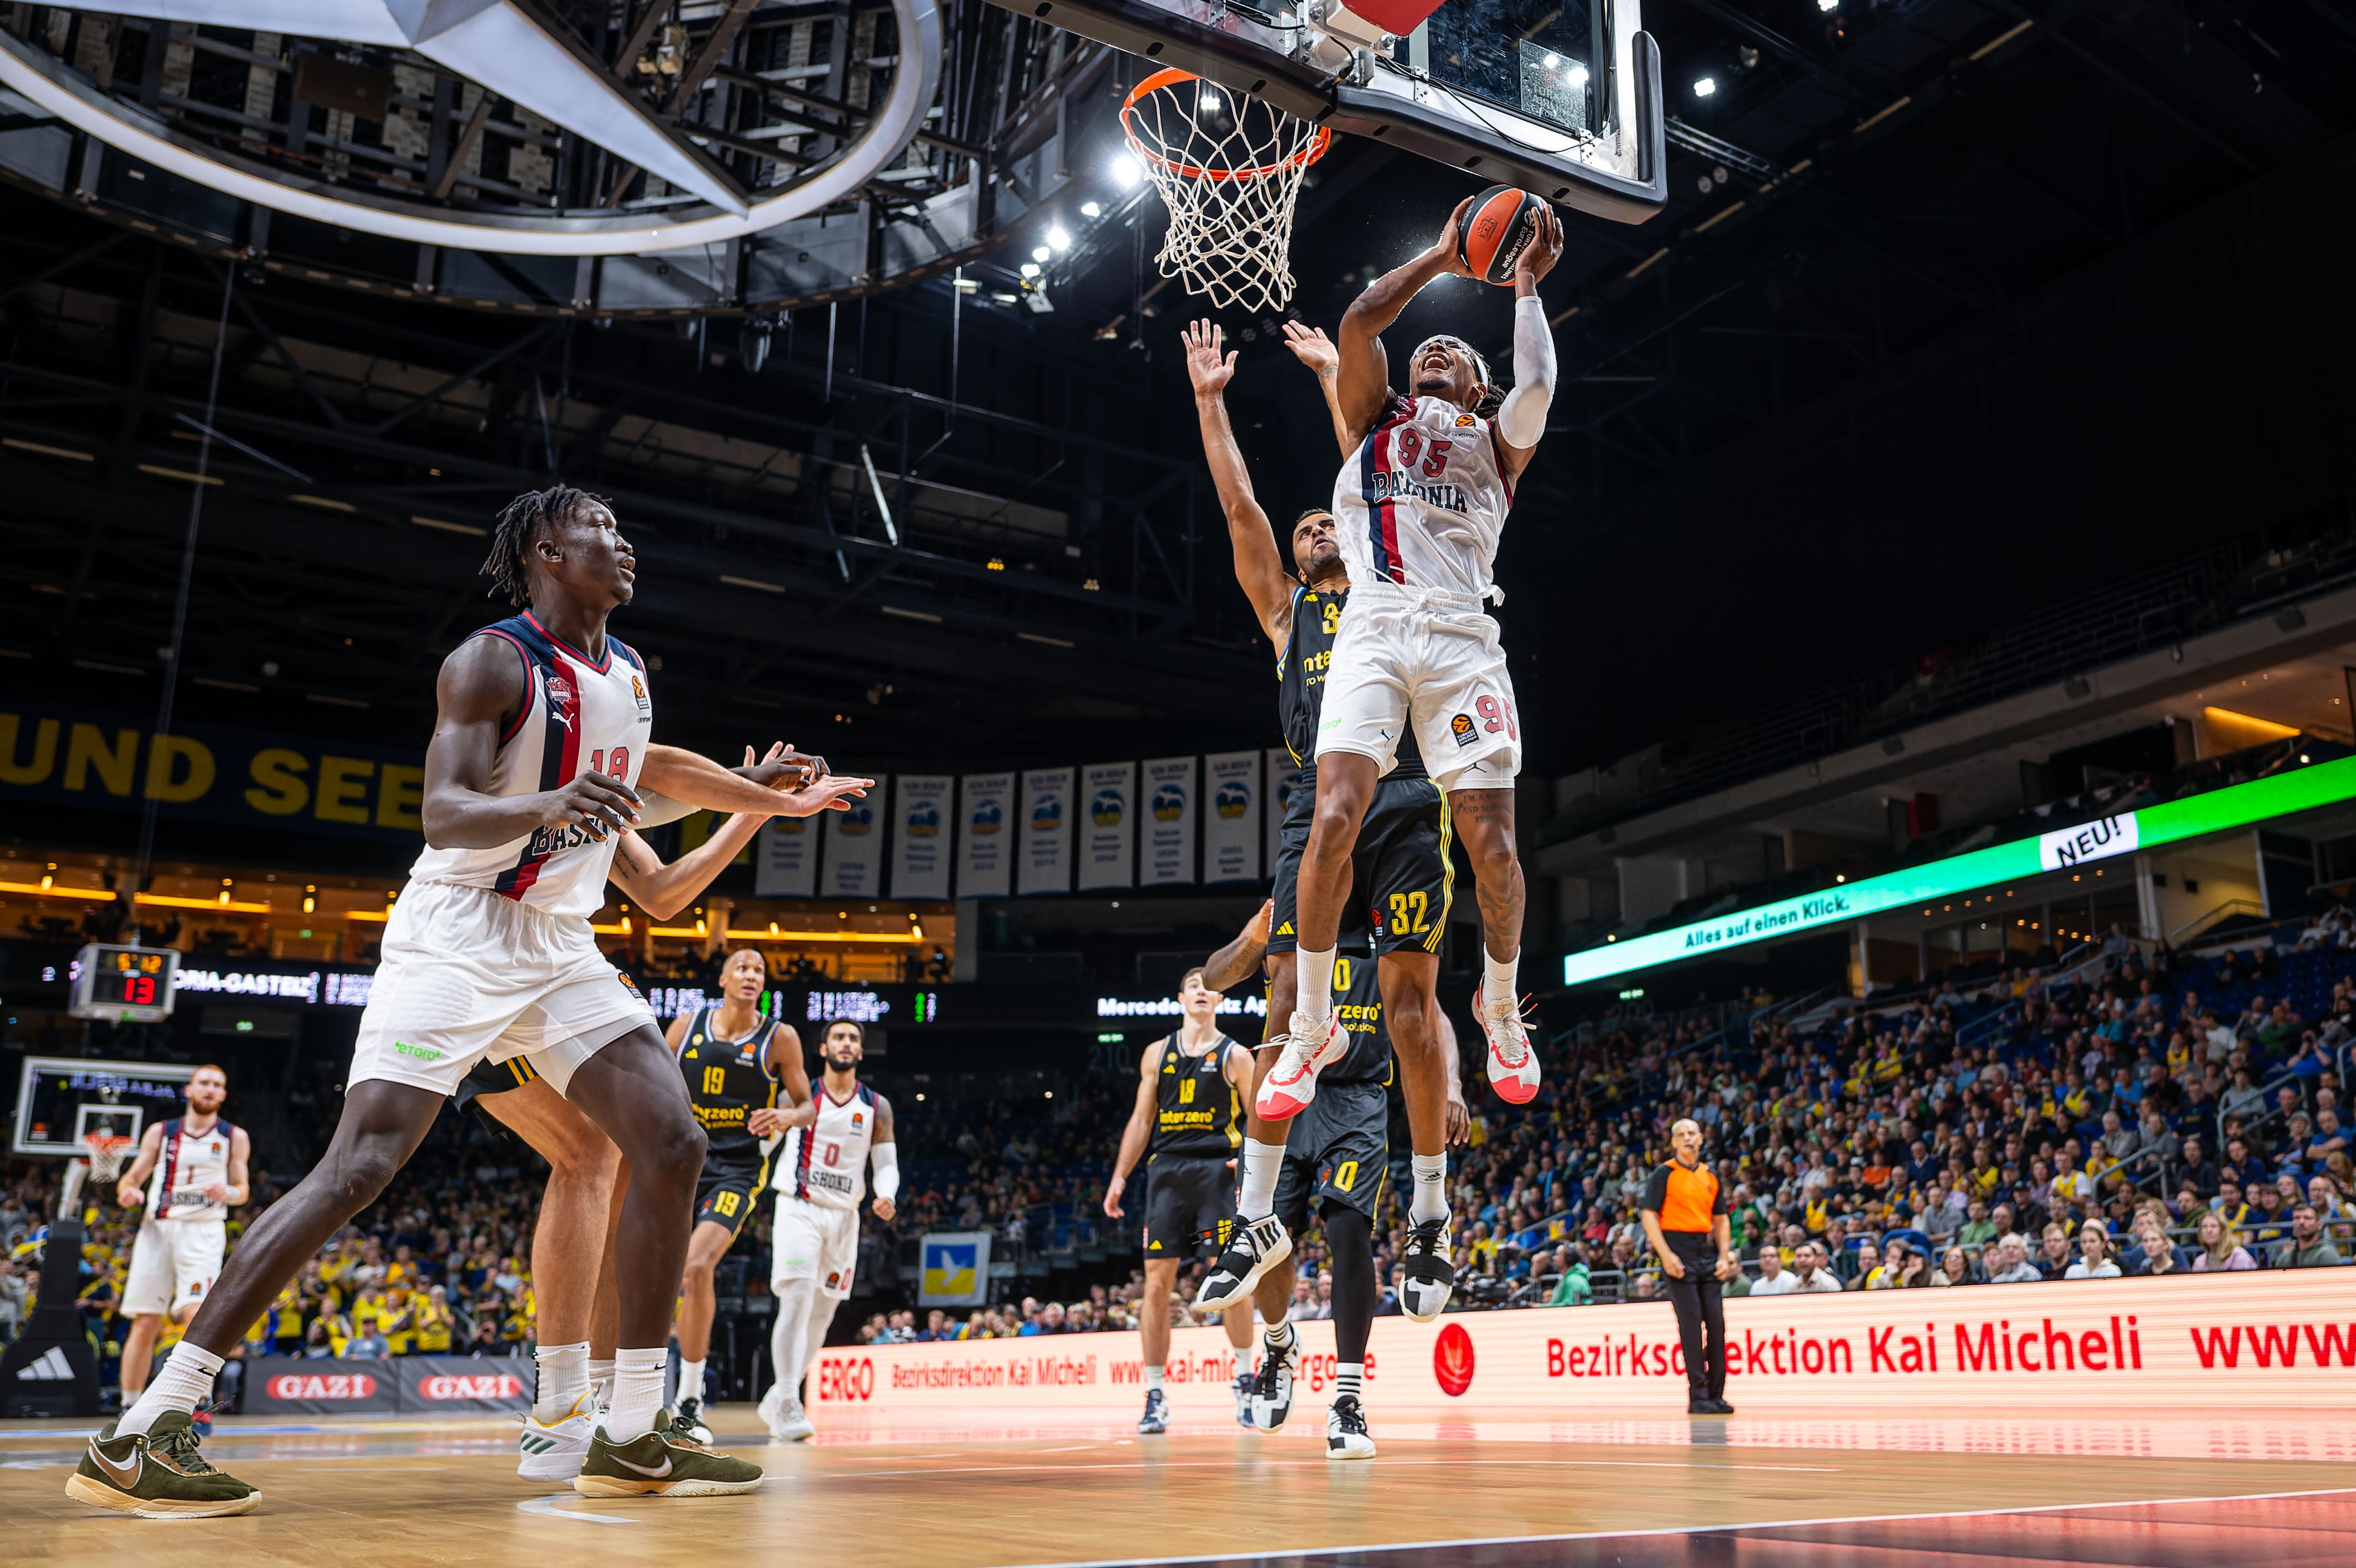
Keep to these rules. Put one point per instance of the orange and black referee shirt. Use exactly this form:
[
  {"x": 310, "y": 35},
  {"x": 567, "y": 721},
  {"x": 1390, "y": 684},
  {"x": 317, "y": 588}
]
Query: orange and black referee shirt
[{"x": 1687, "y": 1200}]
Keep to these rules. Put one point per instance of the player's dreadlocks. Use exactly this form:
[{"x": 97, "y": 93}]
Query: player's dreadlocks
[{"x": 521, "y": 522}]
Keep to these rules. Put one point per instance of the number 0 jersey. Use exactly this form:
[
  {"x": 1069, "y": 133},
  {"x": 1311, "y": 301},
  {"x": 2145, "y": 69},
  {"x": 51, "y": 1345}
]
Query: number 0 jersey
[
  {"x": 826, "y": 1164},
  {"x": 1301, "y": 680},
  {"x": 580, "y": 715},
  {"x": 727, "y": 1081},
  {"x": 1422, "y": 500},
  {"x": 185, "y": 1164}
]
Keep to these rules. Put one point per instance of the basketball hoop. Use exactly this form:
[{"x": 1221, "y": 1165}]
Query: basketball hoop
[
  {"x": 1229, "y": 169},
  {"x": 102, "y": 1164}
]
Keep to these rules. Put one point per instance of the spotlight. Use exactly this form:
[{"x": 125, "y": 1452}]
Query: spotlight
[
  {"x": 1553, "y": 60},
  {"x": 1127, "y": 171},
  {"x": 1577, "y": 77},
  {"x": 1030, "y": 269},
  {"x": 1059, "y": 237},
  {"x": 1090, "y": 210},
  {"x": 1705, "y": 87},
  {"x": 1210, "y": 99},
  {"x": 1040, "y": 253}
]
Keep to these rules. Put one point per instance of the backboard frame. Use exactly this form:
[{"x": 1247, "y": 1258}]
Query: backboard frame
[
  {"x": 1620, "y": 174},
  {"x": 57, "y": 1147}
]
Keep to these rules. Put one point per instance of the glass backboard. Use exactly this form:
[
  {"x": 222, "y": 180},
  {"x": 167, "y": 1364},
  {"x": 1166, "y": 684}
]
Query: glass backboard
[
  {"x": 1559, "y": 98},
  {"x": 60, "y": 1099}
]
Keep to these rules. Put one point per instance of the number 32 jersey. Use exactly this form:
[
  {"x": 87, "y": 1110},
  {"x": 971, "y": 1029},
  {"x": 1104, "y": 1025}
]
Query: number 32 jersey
[
  {"x": 826, "y": 1164},
  {"x": 579, "y": 716},
  {"x": 1422, "y": 500}
]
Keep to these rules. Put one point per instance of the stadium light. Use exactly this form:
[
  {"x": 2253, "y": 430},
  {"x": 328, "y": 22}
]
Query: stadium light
[
  {"x": 1090, "y": 210},
  {"x": 1705, "y": 85},
  {"x": 1040, "y": 253},
  {"x": 1127, "y": 171},
  {"x": 1059, "y": 237},
  {"x": 1030, "y": 269}
]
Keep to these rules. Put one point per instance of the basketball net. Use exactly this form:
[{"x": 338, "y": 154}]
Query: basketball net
[
  {"x": 102, "y": 1164},
  {"x": 1229, "y": 168}
]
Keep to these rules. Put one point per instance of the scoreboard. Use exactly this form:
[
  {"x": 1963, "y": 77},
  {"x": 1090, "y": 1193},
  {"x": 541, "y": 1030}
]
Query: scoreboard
[{"x": 124, "y": 984}]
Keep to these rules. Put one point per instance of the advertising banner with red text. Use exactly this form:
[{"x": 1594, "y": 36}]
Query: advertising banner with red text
[
  {"x": 2225, "y": 1343},
  {"x": 284, "y": 1385}
]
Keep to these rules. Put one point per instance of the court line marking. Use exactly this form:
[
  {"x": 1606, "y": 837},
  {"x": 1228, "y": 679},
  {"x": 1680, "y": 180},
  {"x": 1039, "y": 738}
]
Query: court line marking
[
  {"x": 546, "y": 1509},
  {"x": 1367, "y": 1546},
  {"x": 1323, "y": 1464}
]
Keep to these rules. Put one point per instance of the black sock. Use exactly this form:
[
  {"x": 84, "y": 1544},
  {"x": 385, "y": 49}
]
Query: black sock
[{"x": 1350, "y": 1237}]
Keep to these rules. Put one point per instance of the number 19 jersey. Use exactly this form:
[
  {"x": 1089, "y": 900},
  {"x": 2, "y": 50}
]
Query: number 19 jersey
[
  {"x": 826, "y": 1164},
  {"x": 580, "y": 715}
]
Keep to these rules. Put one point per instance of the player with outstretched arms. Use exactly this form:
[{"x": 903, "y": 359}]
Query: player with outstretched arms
[
  {"x": 1418, "y": 507},
  {"x": 1399, "y": 876},
  {"x": 821, "y": 1175},
  {"x": 188, "y": 1174},
  {"x": 541, "y": 745}
]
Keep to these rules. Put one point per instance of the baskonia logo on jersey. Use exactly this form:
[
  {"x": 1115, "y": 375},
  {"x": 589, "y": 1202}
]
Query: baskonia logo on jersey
[
  {"x": 1108, "y": 808},
  {"x": 561, "y": 696},
  {"x": 1462, "y": 728},
  {"x": 1233, "y": 800},
  {"x": 1169, "y": 803}
]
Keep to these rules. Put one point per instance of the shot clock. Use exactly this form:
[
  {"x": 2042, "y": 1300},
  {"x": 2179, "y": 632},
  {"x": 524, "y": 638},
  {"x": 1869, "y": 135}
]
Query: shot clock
[{"x": 125, "y": 985}]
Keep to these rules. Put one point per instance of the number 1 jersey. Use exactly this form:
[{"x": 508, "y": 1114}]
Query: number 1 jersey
[{"x": 580, "y": 715}]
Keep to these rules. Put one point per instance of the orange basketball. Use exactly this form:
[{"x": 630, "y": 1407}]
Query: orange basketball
[{"x": 1496, "y": 229}]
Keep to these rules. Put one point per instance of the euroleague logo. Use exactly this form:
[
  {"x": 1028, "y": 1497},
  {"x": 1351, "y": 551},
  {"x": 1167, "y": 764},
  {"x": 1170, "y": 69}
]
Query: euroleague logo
[
  {"x": 1452, "y": 1360},
  {"x": 848, "y": 1379},
  {"x": 471, "y": 1385},
  {"x": 315, "y": 1385}
]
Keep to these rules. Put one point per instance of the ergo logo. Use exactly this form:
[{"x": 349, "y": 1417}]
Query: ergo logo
[{"x": 847, "y": 1377}]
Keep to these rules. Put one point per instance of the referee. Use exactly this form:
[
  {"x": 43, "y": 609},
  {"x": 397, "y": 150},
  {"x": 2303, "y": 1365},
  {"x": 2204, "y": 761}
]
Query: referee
[{"x": 1685, "y": 1219}]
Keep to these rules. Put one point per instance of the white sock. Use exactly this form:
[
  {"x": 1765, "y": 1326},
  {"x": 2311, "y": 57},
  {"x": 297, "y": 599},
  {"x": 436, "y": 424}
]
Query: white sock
[
  {"x": 1430, "y": 1198},
  {"x": 186, "y": 1379},
  {"x": 637, "y": 1392},
  {"x": 1499, "y": 981},
  {"x": 691, "y": 1379},
  {"x": 1153, "y": 1380},
  {"x": 1263, "y": 1163},
  {"x": 563, "y": 1379},
  {"x": 821, "y": 1318},
  {"x": 789, "y": 1337},
  {"x": 601, "y": 1381},
  {"x": 1312, "y": 982},
  {"x": 1280, "y": 1335},
  {"x": 1349, "y": 1380}
]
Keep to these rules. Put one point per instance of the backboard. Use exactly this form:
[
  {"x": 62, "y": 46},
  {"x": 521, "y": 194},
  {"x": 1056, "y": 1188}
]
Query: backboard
[
  {"x": 60, "y": 1099},
  {"x": 1562, "y": 99}
]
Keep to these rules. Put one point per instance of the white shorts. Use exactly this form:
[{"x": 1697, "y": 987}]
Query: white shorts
[
  {"x": 468, "y": 974},
  {"x": 173, "y": 1263},
  {"x": 814, "y": 1243},
  {"x": 1431, "y": 659}
]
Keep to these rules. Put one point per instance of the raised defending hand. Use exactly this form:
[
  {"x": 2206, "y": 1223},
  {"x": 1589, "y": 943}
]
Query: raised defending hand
[
  {"x": 1204, "y": 367},
  {"x": 596, "y": 802},
  {"x": 828, "y": 793},
  {"x": 784, "y": 768},
  {"x": 1446, "y": 246},
  {"x": 1312, "y": 347},
  {"x": 1543, "y": 251}
]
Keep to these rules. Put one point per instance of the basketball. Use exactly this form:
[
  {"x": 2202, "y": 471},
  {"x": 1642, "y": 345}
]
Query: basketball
[{"x": 1494, "y": 232}]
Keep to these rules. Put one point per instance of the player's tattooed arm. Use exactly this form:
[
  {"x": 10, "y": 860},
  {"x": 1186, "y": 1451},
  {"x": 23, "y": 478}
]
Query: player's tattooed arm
[
  {"x": 1314, "y": 348},
  {"x": 1133, "y": 1134},
  {"x": 1210, "y": 365},
  {"x": 1365, "y": 381},
  {"x": 1239, "y": 960},
  {"x": 481, "y": 689}
]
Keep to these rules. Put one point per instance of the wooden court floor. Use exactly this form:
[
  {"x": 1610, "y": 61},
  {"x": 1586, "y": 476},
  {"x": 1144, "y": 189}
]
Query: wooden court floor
[{"x": 1926, "y": 1494}]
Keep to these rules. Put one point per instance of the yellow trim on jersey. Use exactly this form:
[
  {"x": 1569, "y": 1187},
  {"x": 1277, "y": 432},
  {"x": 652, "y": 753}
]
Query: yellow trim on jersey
[
  {"x": 1446, "y": 873},
  {"x": 521, "y": 1069}
]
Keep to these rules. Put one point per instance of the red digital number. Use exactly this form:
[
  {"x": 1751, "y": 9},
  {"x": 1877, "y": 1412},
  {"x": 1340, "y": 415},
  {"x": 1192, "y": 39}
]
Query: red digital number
[{"x": 139, "y": 990}]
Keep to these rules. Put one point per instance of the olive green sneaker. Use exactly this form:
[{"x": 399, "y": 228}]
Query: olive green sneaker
[
  {"x": 665, "y": 1463},
  {"x": 156, "y": 1474}
]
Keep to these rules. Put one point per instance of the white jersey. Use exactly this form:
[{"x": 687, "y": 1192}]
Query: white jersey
[
  {"x": 579, "y": 716},
  {"x": 185, "y": 1164},
  {"x": 826, "y": 1164},
  {"x": 1422, "y": 500}
]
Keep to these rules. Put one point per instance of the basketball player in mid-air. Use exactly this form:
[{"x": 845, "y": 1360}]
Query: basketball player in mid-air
[
  {"x": 821, "y": 1176},
  {"x": 1418, "y": 506},
  {"x": 1401, "y": 876},
  {"x": 1190, "y": 1090},
  {"x": 1336, "y": 1156},
  {"x": 188, "y": 1174},
  {"x": 734, "y": 1058},
  {"x": 540, "y": 749}
]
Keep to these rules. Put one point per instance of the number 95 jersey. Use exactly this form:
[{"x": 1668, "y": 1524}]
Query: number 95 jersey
[
  {"x": 826, "y": 1164},
  {"x": 579, "y": 716}
]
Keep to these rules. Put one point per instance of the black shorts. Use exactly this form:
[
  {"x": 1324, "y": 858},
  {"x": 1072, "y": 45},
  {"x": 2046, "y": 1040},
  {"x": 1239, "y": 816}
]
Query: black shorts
[
  {"x": 1190, "y": 1205},
  {"x": 725, "y": 1192},
  {"x": 1336, "y": 1151},
  {"x": 491, "y": 1077},
  {"x": 1401, "y": 876}
]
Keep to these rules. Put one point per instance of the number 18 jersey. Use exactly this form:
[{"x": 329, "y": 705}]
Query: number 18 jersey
[
  {"x": 580, "y": 715},
  {"x": 826, "y": 1164}
]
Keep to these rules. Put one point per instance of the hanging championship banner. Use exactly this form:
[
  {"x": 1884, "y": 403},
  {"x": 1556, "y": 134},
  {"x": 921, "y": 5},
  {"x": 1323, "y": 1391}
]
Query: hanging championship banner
[
  {"x": 986, "y": 847},
  {"x": 1108, "y": 827},
  {"x": 1283, "y": 775},
  {"x": 1046, "y": 865},
  {"x": 1169, "y": 821},
  {"x": 920, "y": 849},
  {"x": 1231, "y": 826},
  {"x": 785, "y": 858},
  {"x": 854, "y": 845}
]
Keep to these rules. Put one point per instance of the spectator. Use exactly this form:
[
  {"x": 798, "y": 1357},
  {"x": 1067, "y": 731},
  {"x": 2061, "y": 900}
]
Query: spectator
[
  {"x": 2307, "y": 1247},
  {"x": 2012, "y": 1266},
  {"x": 1773, "y": 1279},
  {"x": 2220, "y": 1248},
  {"x": 1573, "y": 1289},
  {"x": 1954, "y": 1268},
  {"x": 2054, "y": 1261},
  {"x": 1813, "y": 1278},
  {"x": 2196, "y": 1171},
  {"x": 2094, "y": 1261}
]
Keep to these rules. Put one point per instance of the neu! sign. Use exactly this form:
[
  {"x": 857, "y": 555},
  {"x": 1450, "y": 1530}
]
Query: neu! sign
[{"x": 2197, "y": 1343}]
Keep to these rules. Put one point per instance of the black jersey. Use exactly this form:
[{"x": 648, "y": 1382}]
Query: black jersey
[
  {"x": 1359, "y": 1003},
  {"x": 1301, "y": 680},
  {"x": 726, "y": 1081},
  {"x": 1199, "y": 1113}
]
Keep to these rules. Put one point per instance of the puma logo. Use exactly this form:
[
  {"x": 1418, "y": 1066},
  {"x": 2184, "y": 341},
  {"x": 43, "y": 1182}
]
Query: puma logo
[
  {"x": 123, "y": 1476},
  {"x": 645, "y": 1470}
]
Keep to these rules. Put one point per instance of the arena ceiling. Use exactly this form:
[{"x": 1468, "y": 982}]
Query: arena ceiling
[{"x": 975, "y": 531}]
